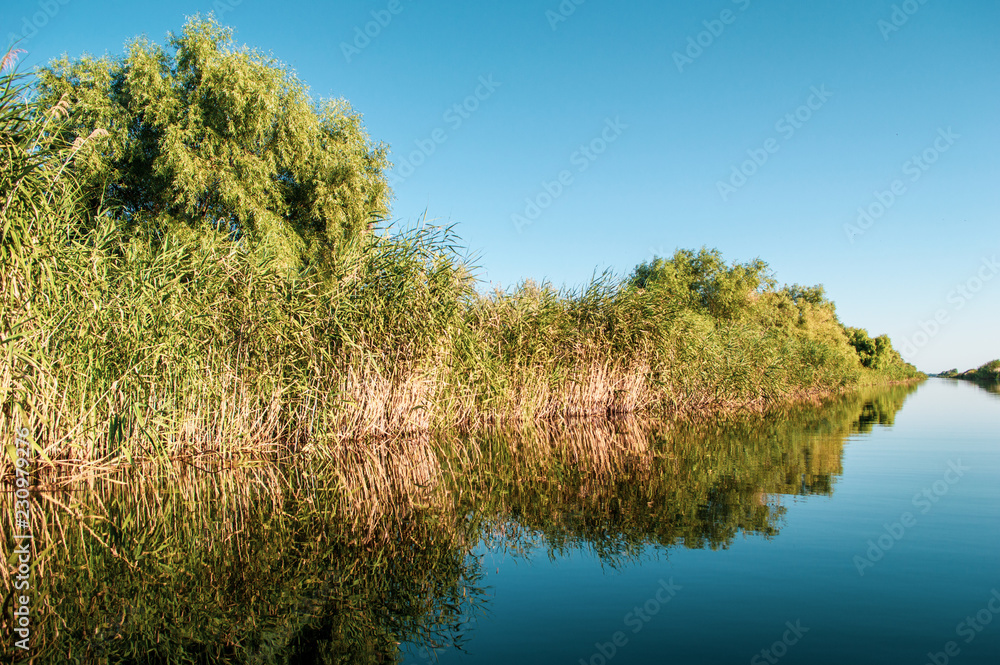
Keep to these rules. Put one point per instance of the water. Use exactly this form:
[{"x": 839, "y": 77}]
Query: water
[
  {"x": 856, "y": 584},
  {"x": 863, "y": 531}
]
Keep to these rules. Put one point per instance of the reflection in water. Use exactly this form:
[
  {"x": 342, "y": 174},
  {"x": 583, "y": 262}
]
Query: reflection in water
[
  {"x": 989, "y": 386},
  {"x": 340, "y": 561},
  {"x": 247, "y": 567}
]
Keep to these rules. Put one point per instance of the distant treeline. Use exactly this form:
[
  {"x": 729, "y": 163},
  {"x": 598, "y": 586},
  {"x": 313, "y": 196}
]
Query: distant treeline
[
  {"x": 987, "y": 372},
  {"x": 195, "y": 260}
]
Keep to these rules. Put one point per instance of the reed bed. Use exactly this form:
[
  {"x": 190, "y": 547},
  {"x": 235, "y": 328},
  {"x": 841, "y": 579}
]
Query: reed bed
[
  {"x": 202, "y": 351},
  {"x": 123, "y": 345}
]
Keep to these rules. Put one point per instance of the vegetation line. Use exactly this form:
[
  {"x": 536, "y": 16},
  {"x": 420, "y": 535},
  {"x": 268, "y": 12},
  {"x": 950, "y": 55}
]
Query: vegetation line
[
  {"x": 195, "y": 262},
  {"x": 986, "y": 373}
]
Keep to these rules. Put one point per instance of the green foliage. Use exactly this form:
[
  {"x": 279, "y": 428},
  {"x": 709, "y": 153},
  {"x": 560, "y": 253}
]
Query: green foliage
[
  {"x": 990, "y": 369},
  {"x": 39, "y": 198},
  {"x": 206, "y": 135},
  {"x": 874, "y": 353},
  {"x": 37, "y": 191},
  {"x": 988, "y": 372},
  {"x": 702, "y": 282},
  {"x": 814, "y": 295},
  {"x": 864, "y": 345},
  {"x": 173, "y": 293}
]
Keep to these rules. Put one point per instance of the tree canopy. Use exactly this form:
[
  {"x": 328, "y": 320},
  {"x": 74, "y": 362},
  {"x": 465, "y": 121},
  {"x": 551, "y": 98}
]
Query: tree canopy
[
  {"x": 205, "y": 134},
  {"x": 874, "y": 353},
  {"x": 702, "y": 281}
]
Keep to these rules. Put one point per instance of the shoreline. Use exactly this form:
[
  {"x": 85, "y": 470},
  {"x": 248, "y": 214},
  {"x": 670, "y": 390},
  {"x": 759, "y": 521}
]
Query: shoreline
[{"x": 62, "y": 473}]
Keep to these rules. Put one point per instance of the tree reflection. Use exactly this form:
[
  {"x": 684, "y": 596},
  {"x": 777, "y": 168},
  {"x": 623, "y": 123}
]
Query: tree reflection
[{"x": 334, "y": 561}]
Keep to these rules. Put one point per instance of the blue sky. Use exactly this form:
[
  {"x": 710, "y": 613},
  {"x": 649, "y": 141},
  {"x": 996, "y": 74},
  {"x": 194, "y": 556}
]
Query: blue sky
[{"x": 591, "y": 136}]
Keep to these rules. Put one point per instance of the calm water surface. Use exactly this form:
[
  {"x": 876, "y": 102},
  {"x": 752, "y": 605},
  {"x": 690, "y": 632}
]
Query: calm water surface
[
  {"x": 863, "y": 531},
  {"x": 887, "y": 568}
]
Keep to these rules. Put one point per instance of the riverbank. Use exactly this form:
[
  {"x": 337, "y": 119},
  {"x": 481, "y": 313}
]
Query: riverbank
[
  {"x": 196, "y": 350},
  {"x": 154, "y": 316},
  {"x": 985, "y": 373}
]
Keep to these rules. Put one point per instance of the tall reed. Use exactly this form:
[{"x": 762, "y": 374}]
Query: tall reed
[{"x": 124, "y": 345}]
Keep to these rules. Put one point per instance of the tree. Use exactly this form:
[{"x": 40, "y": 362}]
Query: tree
[
  {"x": 207, "y": 135},
  {"x": 702, "y": 281},
  {"x": 874, "y": 353}
]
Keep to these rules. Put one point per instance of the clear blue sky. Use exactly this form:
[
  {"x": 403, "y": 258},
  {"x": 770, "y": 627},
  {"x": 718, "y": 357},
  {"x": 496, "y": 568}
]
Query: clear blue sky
[{"x": 881, "y": 92}]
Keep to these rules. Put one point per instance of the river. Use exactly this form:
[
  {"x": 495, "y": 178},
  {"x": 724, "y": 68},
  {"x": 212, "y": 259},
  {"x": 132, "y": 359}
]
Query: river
[{"x": 863, "y": 530}]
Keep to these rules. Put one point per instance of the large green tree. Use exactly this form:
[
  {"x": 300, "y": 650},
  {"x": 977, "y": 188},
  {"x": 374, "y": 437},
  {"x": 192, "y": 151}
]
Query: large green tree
[
  {"x": 208, "y": 135},
  {"x": 702, "y": 281}
]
